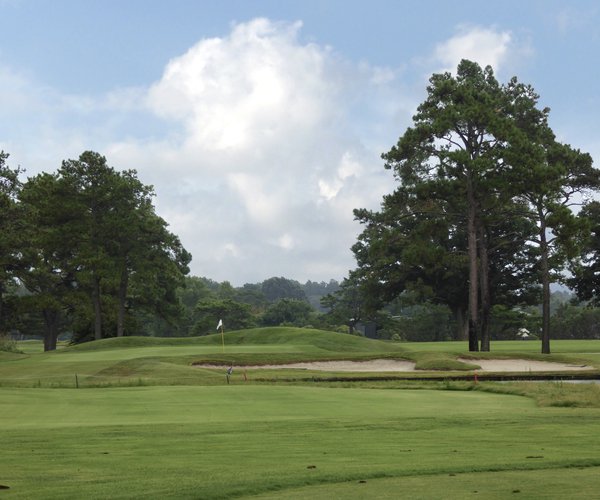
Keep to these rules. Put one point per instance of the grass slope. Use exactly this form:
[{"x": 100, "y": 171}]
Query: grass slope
[
  {"x": 130, "y": 361},
  {"x": 168, "y": 361},
  {"x": 273, "y": 336}
]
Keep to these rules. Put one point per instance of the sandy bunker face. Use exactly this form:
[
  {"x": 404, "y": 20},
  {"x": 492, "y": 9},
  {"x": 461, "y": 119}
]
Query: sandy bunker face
[
  {"x": 393, "y": 365},
  {"x": 522, "y": 365}
]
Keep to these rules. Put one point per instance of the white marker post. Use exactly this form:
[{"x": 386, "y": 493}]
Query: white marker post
[{"x": 220, "y": 325}]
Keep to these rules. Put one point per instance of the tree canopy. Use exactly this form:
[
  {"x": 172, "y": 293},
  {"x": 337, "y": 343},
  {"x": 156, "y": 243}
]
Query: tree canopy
[
  {"x": 483, "y": 202},
  {"x": 94, "y": 250}
]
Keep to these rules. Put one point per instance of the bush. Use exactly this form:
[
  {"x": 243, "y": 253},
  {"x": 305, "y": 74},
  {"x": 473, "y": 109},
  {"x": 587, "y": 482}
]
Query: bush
[
  {"x": 572, "y": 322},
  {"x": 7, "y": 344}
]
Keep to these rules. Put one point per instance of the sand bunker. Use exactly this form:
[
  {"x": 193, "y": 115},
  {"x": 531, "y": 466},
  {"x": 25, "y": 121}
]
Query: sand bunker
[
  {"x": 374, "y": 365},
  {"x": 394, "y": 365},
  {"x": 522, "y": 365}
]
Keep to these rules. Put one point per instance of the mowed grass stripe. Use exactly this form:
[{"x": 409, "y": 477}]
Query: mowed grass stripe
[
  {"x": 572, "y": 483},
  {"x": 223, "y": 442},
  {"x": 126, "y": 406}
]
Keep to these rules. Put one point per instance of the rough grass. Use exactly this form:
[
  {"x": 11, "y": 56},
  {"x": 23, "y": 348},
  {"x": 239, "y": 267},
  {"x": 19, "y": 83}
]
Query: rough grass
[{"x": 560, "y": 394}]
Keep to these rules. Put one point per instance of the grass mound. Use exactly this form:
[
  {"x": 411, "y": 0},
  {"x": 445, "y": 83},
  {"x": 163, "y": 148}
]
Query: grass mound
[
  {"x": 133, "y": 341},
  {"x": 443, "y": 362},
  {"x": 320, "y": 339},
  {"x": 329, "y": 341}
]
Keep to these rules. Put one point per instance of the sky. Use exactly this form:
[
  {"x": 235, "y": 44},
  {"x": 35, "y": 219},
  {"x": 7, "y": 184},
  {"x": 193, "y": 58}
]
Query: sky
[{"x": 261, "y": 123}]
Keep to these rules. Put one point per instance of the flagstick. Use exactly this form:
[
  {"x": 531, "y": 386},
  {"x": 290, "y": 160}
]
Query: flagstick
[{"x": 222, "y": 338}]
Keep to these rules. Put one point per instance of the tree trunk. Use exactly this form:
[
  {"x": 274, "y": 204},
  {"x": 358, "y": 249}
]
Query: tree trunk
[
  {"x": 462, "y": 325},
  {"x": 1, "y": 308},
  {"x": 51, "y": 320},
  {"x": 123, "y": 284},
  {"x": 473, "y": 271},
  {"x": 351, "y": 326},
  {"x": 97, "y": 309},
  {"x": 545, "y": 271},
  {"x": 486, "y": 307}
]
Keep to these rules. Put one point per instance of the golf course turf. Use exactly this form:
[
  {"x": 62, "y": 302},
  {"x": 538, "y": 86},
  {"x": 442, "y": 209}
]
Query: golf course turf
[{"x": 145, "y": 422}]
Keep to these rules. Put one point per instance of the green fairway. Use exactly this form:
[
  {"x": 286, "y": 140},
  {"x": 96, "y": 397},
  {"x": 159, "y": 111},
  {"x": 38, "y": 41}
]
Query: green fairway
[
  {"x": 145, "y": 422},
  {"x": 223, "y": 442}
]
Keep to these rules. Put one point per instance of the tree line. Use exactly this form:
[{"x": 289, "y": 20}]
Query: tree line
[
  {"x": 276, "y": 301},
  {"x": 489, "y": 211},
  {"x": 81, "y": 248}
]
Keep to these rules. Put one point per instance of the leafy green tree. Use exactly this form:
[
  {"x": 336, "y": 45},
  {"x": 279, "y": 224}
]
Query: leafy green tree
[
  {"x": 252, "y": 294},
  {"x": 585, "y": 280},
  {"x": 10, "y": 235},
  {"x": 282, "y": 288},
  {"x": 314, "y": 291},
  {"x": 347, "y": 305},
  {"x": 426, "y": 323},
  {"x": 94, "y": 230},
  {"x": 226, "y": 291},
  {"x": 550, "y": 188},
  {"x": 49, "y": 271},
  {"x": 467, "y": 140},
  {"x": 576, "y": 322},
  {"x": 193, "y": 290},
  {"x": 287, "y": 311},
  {"x": 508, "y": 321},
  {"x": 124, "y": 245},
  {"x": 92, "y": 186},
  {"x": 158, "y": 272},
  {"x": 130, "y": 233},
  {"x": 235, "y": 315},
  {"x": 413, "y": 248}
]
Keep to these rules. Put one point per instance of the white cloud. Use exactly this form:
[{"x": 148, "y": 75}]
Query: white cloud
[
  {"x": 486, "y": 46},
  {"x": 348, "y": 167},
  {"x": 259, "y": 145},
  {"x": 263, "y": 152},
  {"x": 286, "y": 241},
  {"x": 232, "y": 92}
]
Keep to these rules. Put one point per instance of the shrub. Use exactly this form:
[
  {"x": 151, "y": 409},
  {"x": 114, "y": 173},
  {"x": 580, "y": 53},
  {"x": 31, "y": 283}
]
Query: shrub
[{"x": 7, "y": 344}]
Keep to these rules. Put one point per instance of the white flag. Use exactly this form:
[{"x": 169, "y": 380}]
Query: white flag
[{"x": 220, "y": 325}]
